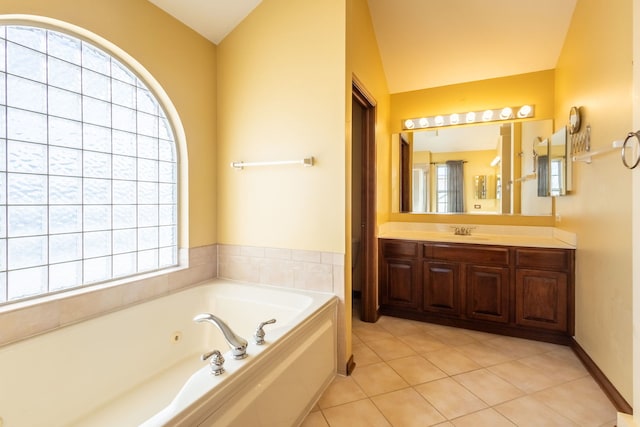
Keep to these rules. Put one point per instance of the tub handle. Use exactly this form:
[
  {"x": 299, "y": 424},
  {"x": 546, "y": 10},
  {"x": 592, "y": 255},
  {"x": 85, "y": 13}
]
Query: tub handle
[
  {"x": 259, "y": 335},
  {"x": 217, "y": 360}
]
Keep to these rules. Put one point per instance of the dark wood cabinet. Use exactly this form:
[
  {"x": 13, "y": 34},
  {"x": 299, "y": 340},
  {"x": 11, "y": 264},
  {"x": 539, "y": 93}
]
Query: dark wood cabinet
[
  {"x": 441, "y": 287},
  {"x": 518, "y": 291},
  {"x": 399, "y": 269},
  {"x": 488, "y": 293},
  {"x": 544, "y": 289}
]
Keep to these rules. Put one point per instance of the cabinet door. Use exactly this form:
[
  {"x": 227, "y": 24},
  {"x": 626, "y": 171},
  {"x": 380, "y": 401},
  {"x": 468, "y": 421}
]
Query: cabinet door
[
  {"x": 399, "y": 283},
  {"x": 487, "y": 293},
  {"x": 541, "y": 299},
  {"x": 441, "y": 287}
]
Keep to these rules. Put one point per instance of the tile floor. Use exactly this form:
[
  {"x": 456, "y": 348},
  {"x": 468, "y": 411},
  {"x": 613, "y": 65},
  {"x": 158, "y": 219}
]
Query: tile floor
[{"x": 419, "y": 374}]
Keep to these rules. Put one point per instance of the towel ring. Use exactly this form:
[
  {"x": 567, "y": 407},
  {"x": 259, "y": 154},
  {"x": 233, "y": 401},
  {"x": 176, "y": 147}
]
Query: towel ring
[{"x": 624, "y": 146}]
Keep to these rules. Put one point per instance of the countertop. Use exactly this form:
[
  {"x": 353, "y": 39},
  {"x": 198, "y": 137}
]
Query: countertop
[{"x": 503, "y": 235}]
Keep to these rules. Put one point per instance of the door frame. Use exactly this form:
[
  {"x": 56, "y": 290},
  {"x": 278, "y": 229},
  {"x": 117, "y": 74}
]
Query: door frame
[{"x": 369, "y": 294}]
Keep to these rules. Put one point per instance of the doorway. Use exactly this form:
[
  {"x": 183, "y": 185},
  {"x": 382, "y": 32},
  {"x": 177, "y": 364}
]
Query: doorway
[{"x": 363, "y": 201}]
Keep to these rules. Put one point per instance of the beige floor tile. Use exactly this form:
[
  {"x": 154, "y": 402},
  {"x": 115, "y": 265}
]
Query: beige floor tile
[
  {"x": 483, "y": 354},
  {"x": 518, "y": 347},
  {"x": 362, "y": 413},
  {"x": 524, "y": 377},
  {"x": 450, "y": 398},
  {"x": 498, "y": 369},
  {"x": 454, "y": 336},
  {"x": 432, "y": 327},
  {"x": 416, "y": 369},
  {"x": 484, "y": 418},
  {"x": 391, "y": 348},
  {"x": 363, "y": 355},
  {"x": 452, "y": 361},
  {"x": 342, "y": 390},
  {"x": 580, "y": 400},
  {"x": 423, "y": 342},
  {"x": 489, "y": 387},
  {"x": 560, "y": 364},
  {"x": 529, "y": 412},
  {"x": 407, "y": 408},
  {"x": 399, "y": 327},
  {"x": 370, "y": 332},
  {"x": 378, "y": 378},
  {"x": 479, "y": 335},
  {"x": 314, "y": 419},
  {"x": 355, "y": 339}
]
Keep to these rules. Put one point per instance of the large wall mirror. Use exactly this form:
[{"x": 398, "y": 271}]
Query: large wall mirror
[{"x": 475, "y": 169}]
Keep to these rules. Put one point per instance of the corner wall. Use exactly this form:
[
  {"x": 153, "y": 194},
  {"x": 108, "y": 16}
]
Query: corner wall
[
  {"x": 595, "y": 72},
  {"x": 281, "y": 97}
]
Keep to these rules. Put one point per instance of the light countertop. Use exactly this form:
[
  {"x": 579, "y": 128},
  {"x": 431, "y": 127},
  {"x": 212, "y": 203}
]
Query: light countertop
[{"x": 504, "y": 235}]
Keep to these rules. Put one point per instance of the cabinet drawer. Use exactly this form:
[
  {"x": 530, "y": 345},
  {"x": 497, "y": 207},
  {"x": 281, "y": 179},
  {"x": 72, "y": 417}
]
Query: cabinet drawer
[
  {"x": 548, "y": 259},
  {"x": 469, "y": 254},
  {"x": 395, "y": 249}
]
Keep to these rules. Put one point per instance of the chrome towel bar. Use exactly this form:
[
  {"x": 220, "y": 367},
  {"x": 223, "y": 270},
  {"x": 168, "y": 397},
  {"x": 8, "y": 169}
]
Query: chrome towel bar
[{"x": 308, "y": 161}]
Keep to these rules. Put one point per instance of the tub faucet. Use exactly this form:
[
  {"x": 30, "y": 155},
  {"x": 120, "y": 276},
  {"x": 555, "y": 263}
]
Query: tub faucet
[{"x": 238, "y": 344}]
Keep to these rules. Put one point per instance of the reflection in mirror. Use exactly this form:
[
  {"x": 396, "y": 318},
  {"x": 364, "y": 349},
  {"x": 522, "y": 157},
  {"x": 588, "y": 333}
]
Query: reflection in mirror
[
  {"x": 559, "y": 167},
  {"x": 469, "y": 169}
]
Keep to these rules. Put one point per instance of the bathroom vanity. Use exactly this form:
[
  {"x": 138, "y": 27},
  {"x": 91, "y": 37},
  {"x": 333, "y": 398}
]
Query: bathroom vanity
[{"x": 512, "y": 284}]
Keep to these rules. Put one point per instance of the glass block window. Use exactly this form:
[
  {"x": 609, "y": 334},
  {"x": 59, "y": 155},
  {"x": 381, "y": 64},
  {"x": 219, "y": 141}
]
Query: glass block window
[{"x": 88, "y": 169}]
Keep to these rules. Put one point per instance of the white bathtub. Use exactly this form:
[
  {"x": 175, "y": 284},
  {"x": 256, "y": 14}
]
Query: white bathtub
[{"x": 141, "y": 365}]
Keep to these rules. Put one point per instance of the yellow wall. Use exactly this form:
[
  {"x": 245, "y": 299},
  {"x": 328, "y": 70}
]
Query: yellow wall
[
  {"x": 594, "y": 71},
  {"x": 281, "y": 97},
  {"x": 531, "y": 88},
  {"x": 182, "y": 62}
]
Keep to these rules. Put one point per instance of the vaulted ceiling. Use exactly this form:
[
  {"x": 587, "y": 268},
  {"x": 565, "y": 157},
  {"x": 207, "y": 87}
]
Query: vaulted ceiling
[{"x": 429, "y": 43}]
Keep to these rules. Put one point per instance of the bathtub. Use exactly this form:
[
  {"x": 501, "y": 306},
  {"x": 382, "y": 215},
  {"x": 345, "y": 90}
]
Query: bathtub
[{"x": 141, "y": 366}]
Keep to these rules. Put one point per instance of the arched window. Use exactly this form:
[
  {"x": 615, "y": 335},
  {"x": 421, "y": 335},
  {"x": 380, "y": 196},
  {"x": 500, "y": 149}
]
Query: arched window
[{"x": 88, "y": 167}]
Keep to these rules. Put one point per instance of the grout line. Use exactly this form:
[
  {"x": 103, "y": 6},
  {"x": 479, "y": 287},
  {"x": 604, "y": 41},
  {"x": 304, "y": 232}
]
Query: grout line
[{"x": 543, "y": 350}]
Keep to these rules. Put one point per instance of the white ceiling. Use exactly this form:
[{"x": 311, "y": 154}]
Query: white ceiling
[
  {"x": 429, "y": 43},
  {"x": 213, "y": 19},
  {"x": 458, "y": 138}
]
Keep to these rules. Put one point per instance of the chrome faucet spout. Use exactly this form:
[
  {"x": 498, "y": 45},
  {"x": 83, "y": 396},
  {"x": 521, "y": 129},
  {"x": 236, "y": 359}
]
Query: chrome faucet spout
[{"x": 237, "y": 343}]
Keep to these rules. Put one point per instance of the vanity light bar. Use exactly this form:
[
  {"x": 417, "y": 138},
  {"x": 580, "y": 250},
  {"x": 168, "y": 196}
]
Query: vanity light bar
[{"x": 491, "y": 115}]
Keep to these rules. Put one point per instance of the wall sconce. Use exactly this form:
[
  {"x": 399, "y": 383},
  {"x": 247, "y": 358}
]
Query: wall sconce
[{"x": 491, "y": 115}]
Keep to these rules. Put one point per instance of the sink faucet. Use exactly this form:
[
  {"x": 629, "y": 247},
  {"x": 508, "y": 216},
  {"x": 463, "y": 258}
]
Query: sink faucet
[
  {"x": 238, "y": 344},
  {"x": 462, "y": 231}
]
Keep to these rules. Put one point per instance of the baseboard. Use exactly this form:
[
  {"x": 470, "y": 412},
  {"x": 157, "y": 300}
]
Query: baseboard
[
  {"x": 607, "y": 387},
  {"x": 351, "y": 365}
]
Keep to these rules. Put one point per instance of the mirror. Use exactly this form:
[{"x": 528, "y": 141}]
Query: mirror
[
  {"x": 558, "y": 169},
  {"x": 483, "y": 169}
]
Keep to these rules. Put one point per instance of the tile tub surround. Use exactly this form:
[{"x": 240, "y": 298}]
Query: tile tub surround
[
  {"x": 290, "y": 268},
  {"x": 28, "y": 318},
  {"x": 410, "y": 373},
  {"x": 509, "y": 235}
]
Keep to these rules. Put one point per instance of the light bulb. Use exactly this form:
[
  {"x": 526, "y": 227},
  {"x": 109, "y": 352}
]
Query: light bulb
[
  {"x": 471, "y": 117},
  {"x": 506, "y": 113}
]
